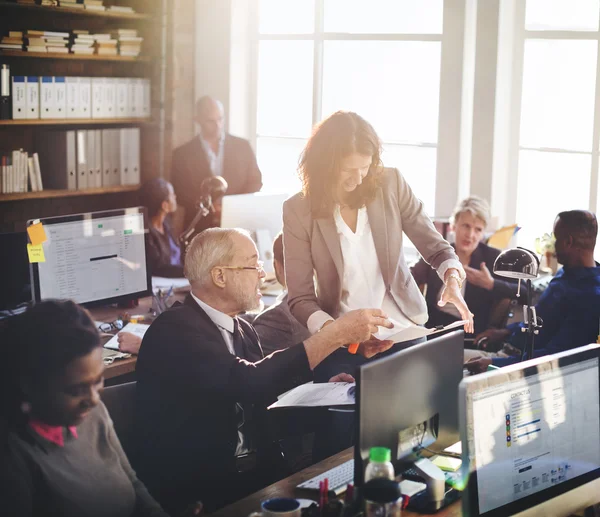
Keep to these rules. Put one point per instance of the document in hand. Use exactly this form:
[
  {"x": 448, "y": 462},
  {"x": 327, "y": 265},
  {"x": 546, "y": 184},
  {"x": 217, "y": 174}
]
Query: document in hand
[
  {"x": 400, "y": 333},
  {"x": 314, "y": 395},
  {"x": 139, "y": 329}
]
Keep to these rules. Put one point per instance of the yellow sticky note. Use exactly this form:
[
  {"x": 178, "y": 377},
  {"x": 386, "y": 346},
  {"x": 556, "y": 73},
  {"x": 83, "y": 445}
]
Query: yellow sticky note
[
  {"x": 37, "y": 234},
  {"x": 447, "y": 463},
  {"x": 36, "y": 253}
]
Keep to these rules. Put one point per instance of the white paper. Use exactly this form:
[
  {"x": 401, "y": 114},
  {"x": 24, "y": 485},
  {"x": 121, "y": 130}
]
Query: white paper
[
  {"x": 400, "y": 333},
  {"x": 139, "y": 329},
  {"x": 315, "y": 395},
  {"x": 159, "y": 282}
]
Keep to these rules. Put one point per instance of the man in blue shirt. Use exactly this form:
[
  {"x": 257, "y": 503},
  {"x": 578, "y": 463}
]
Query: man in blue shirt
[{"x": 570, "y": 306}]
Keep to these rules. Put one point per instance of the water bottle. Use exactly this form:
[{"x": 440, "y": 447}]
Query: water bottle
[
  {"x": 379, "y": 465},
  {"x": 382, "y": 498}
]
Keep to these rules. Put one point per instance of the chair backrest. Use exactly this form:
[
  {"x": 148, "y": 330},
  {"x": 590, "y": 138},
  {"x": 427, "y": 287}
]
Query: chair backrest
[{"x": 120, "y": 400}]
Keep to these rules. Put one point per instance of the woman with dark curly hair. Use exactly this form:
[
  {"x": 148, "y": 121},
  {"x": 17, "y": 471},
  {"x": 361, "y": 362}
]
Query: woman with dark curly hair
[{"x": 346, "y": 227}]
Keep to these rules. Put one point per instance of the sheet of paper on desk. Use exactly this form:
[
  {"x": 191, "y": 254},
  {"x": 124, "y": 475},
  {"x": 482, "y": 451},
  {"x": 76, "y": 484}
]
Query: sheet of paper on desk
[
  {"x": 159, "y": 282},
  {"x": 315, "y": 395},
  {"x": 138, "y": 329},
  {"x": 400, "y": 333}
]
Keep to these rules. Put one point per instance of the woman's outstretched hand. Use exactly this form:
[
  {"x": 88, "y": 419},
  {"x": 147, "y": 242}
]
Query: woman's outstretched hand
[{"x": 452, "y": 294}]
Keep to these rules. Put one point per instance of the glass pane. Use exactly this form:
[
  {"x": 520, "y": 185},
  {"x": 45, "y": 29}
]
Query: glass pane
[
  {"x": 285, "y": 72},
  {"x": 557, "y": 108},
  {"x": 543, "y": 192},
  {"x": 278, "y": 162},
  {"x": 286, "y": 16},
  {"x": 384, "y": 16},
  {"x": 578, "y": 15},
  {"x": 418, "y": 166},
  {"x": 395, "y": 85}
]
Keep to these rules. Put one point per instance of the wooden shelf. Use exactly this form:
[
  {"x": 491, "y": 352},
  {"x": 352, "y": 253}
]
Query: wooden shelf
[
  {"x": 48, "y": 9},
  {"x": 75, "y": 122},
  {"x": 80, "y": 57},
  {"x": 45, "y": 194}
]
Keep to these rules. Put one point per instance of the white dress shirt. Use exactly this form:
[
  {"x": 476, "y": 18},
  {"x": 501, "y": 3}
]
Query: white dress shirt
[
  {"x": 363, "y": 286},
  {"x": 215, "y": 160},
  {"x": 225, "y": 325}
]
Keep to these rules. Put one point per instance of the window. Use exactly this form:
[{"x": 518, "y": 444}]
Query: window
[
  {"x": 558, "y": 138},
  {"x": 380, "y": 59}
]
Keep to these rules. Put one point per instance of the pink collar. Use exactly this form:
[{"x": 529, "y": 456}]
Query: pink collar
[{"x": 52, "y": 433}]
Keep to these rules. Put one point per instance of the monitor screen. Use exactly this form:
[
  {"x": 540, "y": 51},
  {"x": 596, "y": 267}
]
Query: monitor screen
[
  {"x": 14, "y": 271},
  {"x": 94, "y": 258},
  {"x": 532, "y": 429}
]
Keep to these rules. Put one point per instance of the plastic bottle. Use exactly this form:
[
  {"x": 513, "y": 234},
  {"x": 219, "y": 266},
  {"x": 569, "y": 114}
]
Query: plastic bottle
[{"x": 379, "y": 465}]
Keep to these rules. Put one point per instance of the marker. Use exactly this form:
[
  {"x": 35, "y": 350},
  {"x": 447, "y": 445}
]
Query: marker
[{"x": 353, "y": 348}]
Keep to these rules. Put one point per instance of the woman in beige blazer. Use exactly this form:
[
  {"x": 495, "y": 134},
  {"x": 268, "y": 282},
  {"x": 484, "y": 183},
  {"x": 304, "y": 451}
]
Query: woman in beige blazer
[{"x": 343, "y": 233}]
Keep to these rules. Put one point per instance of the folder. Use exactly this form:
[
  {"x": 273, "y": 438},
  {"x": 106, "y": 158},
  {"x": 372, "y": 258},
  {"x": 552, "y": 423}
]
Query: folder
[
  {"x": 138, "y": 98},
  {"x": 110, "y": 103},
  {"x": 122, "y": 98},
  {"x": 124, "y": 156},
  {"x": 106, "y": 157},
  {"x": 56, "y": 156},
  {"x": 38, "y": 172},
  {"x": 72, "y": 97},
  {"x": 19, "y": 97},
  {"x": 31, "y": 173},
  {"x": 85, "y": 97},
  {"x": 146, "y": 111},
  {"x": 46, "y": 97},
  {"x": 116, "y": 156},
  {"x": 32, "y": 90},
  {"x": 82, "y": 168},
  {"x": 97, "y": 97},
  {"x": 133, "y": 145},
  {"x": 131, "y": 105},
  {"x": 60, "y": 98},
  {"x": 90, "y": 154}
]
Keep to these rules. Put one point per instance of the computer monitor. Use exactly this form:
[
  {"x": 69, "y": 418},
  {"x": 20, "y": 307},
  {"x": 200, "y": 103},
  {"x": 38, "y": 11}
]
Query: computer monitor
[
  {"x": 94, "y": 258},
  {"x": 409, "y": 400},
  {"x": 261, "y": 214},
  {"x": 531, "y": 432},
  {"x": 15, "y": 283}
]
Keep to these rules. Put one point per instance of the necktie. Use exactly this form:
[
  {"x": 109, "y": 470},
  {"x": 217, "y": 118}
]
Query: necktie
[{"x": 238, "y": 340}]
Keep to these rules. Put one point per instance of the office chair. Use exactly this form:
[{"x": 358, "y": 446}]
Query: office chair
[{"x": 119, "y": 401}]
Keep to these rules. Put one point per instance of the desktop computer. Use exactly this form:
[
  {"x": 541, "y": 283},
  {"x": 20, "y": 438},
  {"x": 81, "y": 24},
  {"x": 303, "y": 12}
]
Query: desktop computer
[
  {"x": 15, "y": 283},
  {"x": 93, "y": 258},
  {"x": 261, "y": 214},
  {"x": 530, "y": 433}
]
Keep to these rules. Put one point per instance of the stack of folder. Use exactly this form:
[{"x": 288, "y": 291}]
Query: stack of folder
[
  {"x": 83, "y": 42},
  {"x": 17, "y": 168},
  {"x": 14, "y": 41},
  {"x": 130, "y": 44},
  {"x": 47, "y": 41}
]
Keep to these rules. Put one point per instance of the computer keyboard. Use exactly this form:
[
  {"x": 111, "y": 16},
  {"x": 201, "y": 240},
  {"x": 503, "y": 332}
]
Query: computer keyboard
[{"x": 338, "y": 477}]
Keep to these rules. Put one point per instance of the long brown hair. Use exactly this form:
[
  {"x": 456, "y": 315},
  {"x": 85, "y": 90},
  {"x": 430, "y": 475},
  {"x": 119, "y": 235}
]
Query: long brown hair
[{"x": 332, "y": 140}]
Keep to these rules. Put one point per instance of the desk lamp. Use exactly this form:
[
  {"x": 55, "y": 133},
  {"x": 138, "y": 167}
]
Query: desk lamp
[{"x": 522, "y": 264}]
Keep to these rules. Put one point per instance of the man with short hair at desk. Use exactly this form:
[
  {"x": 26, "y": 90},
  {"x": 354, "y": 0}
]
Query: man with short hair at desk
[
  {"x": 276, "y": 326},
  {"x": 213, "y": 153},
  {"x": 570, "y": 305},
  {"x": 204, "y": 383}
]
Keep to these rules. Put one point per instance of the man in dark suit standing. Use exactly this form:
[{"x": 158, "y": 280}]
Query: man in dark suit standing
[
  {"x": 204, "y": 383},
  {"x": 212, "y": 153}
]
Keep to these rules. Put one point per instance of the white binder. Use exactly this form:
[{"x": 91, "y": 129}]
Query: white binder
[
  {"x": 32, "y": 90},
  {"x": 98, "y": 157},
  {"x": 85, "y": 97},
  {"x": 122, "y": 98},
  {"x": 38, "y": 172},
  {"x": 60, "y": 98},
  {"x": 138, "y": 99},
  {"x": 134, "y": 155},
  {"x": 131, "y": 103},
  {"x": 73, "y": 97},
  {"x": 146, "y": 112},
  {"x": 19, "y": 97},
  {"x": 116, "y": 156},
  {"x": 98, "y": 97},
  {"x": 124, "y": 156},
  {"x": 110, "y": 103},
  {"x": 46, "y": 97},
  {"x": 106, "y": 157},
  {"x": 90, "y": 154},
  {"x": 82, "y": 167}
]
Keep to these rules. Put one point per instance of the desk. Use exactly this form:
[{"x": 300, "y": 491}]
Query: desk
[{"x": 287, "y": 488}]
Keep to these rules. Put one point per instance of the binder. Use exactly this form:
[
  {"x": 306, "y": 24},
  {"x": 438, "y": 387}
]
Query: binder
[
  {"x": 131, "y": 104},
  {"x": 97, "y": 97},
  {"x": 146, "y": 112},
  {"x": 32, "y": 90},
  {"x": 5, "y": 108},
  {"x": 32, "y": 177},
  {"x": 60, "y": 98},
  {"x": 72, "y": 97},
  {"x": 16, "y": 164},
  {"x": 90, "y": 154},
  {"x": 124, "y": 156},
  {"x": 19, "y": 97},
  {"x": 110, "y": 103},
  {"x": 98, "y": 158},
  {"x": 57, "y": 158},
  {"x": 38, "y": 171},
  {"x": 122, "y": 96},
  {"x": 46, "y": 97},
  {"x": 116, "y": 156},
  {"x": 85, "y": 97},
  {"x": 82, "y": 167},
  {"x": 134, "y": 155},
  {"x": 106, "y": 157},
  {"x": 138, "y": 99}
]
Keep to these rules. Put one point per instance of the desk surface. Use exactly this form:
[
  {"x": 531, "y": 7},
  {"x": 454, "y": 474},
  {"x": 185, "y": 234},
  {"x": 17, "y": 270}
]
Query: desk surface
[{"x": 287, "y": 488}]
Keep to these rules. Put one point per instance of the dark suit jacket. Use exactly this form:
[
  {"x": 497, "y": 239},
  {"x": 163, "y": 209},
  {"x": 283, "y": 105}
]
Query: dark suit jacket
[
  {"x": 158, "y": 253},
  {"x": 479, "y": 300},
  {"x": 191, "y": 167},
  {"x": 188, "y": 385}
]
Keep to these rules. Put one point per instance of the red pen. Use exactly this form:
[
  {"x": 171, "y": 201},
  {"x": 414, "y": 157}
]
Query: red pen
[{"x": 326, "y": 489}]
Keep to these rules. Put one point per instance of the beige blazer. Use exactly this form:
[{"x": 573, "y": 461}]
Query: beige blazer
[{"x": 312, "y": 249}]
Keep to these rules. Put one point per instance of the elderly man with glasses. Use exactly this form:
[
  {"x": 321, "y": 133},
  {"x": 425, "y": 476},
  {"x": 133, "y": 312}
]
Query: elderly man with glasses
[{"x": 204, "y": 382}]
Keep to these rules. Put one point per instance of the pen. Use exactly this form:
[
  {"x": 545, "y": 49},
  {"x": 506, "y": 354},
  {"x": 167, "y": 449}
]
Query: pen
[{"x": 353, "y": 348}]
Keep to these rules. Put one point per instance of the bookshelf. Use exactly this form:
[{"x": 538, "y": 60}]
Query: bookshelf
[{"x": 150, "y": 19}]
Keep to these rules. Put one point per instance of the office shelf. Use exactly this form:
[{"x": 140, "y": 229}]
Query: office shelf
[
  {"x": 75, "y": 122},
  {"x": 46, "y": 194},
  {"x": 79, "y": 57},
  {"x": 70, "y": 11}
]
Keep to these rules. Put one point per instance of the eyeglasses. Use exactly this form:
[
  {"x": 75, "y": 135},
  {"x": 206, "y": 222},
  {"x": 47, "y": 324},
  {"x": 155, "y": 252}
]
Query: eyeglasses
[
  {"x": 114, "y": 325},
  {"x": 259, "y": 268}
]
